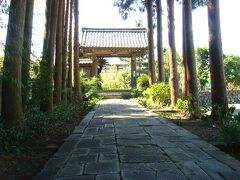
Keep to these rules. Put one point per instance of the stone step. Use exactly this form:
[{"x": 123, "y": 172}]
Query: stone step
[{"x": 115, "y": 94}]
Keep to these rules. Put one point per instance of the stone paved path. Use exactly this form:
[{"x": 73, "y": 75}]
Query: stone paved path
[{"x": 122, "y": 140}]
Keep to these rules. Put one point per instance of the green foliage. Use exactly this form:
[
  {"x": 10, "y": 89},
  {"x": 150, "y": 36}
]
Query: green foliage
[
  {"x": 202, "y": 53},
  {"x": 229, "y": 124},
  {"x": 142, "y": 101},
  {"x": 232, "y": 70},
  {"x": 231, "y": 66},
  {"x": 143, "y": 82},
  {"x": 89, "y": 86},
  {"x": 231, "y": 131},
  {"x": 40, "y": 126},
  {"x": 203, "y": 69},
  {"x": 230, "y": 128},
  {"x": 135, "y": 93},
  {"x": 158, "y": 95},
  {"x": 166, "y": 63},
  {"x": 35, "y": 83},
  {"x": 118, "y": 80},
  {"x": 13, "y": 140},
  {"x": 1, "y": 62},
  {"x": 182, "y": 104}
]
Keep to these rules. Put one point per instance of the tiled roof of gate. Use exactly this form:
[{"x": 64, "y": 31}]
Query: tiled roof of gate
[{"x": 114, "y": 38}]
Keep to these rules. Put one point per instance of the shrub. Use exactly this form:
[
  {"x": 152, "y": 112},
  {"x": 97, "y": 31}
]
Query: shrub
[
  {"x": 40, "y": 127},
  {"x": 230, "y": 128},
  {"x": 142, "y": 101},
  {"x": 89, "y": 86},
  {"x": 117, "y": 80},
  {"x": 136, "y": 93},
  {"x": 143, "y": 82},
  {"x": 158, "y": 94},
  {"x": 182, "y": 104},
  {"x": 231, "y": 131}
]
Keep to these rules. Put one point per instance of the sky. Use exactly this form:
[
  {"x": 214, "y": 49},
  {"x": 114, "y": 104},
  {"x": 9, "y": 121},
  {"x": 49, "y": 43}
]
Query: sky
[{"x": 102, "y": 13}]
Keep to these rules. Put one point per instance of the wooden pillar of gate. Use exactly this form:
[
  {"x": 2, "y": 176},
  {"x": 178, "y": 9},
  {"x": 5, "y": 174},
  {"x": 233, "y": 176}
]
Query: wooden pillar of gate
[
  {"x": 133, "y": 72},
  {"x": 94, "y": 67}
]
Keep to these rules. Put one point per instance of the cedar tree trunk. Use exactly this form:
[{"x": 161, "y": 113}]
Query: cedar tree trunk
[
  {"x": 70, "y": 49},
  {"x": 161, "y": 77},
  {"x": 190, "y": 57},
  {"x": 11, "y": 84},
  {"x": 172, "y": 53},
  {"x": 76, "y": 88},
  {"x": 59, "y": 55},
  {"x": 151, "y": 61},
  {"x": 26, "y": 54},
  {"x": 218, "y": 86},
  {"x": 64, "y": 62},
  {"x": 184, "y": 62},
  {"x": 46, "y": 69}
]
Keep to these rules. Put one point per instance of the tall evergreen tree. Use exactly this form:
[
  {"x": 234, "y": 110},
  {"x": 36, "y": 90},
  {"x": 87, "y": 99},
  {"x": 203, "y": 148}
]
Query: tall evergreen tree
[
  {"x": 26, "y": 54},
  {"x": 65, "y": 47},
  {"x": 161, "y": 77},
  {"x": 218, "y": 86},
  {"x": 184, "y": 57},
  {"x": 11, "y": 84},
  {"x": 172, "y": 53},
  {"x": 59, "y": 55},
  {"x": 70, "y": 58},
  {"x": 151, "y": 61},
  {"x": 46, "y": 69},
  {"x": 192, "y": 89},
  {"x": 76, "y": 88}
]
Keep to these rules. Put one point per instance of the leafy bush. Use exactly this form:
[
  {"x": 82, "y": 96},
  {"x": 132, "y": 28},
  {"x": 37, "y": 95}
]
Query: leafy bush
[
  {"x": 230, "y": 128},
  {"x": 158, "y": 95},
  {"x": 41, "y": 126},
  {"x": 116, "y": 81},
  {"x": 13, "y": 140},
  {"x": 143, "y": 82},
  {"x": 136, "y": 93},
  {"x": 182, "y": 104},
  {"x": 229, "y": 124},
  {"x": 141, "y": 100},
  {"x": 231, "y": 131},
  {"x": 231, "y": 66},
  {"x": 89, "y": 86}
]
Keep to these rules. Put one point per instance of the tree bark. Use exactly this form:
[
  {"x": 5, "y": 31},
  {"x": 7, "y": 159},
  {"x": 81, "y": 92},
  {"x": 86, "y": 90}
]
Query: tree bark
[
  {"x": 12, "y": 114},
  {"x": 70, "y": 60},
  {"x": 161, "y": 77},
  {"x": 76, "y": 88},
  {"x": 190, "y": 57},
  {"x": 151, "y": 61},
  {"x": 218, "y": 86},
  {"x": 59, "y": 55},
  {"x": 65, "y": 46},
  {"x": 26, "y": 54},
  {"x": 172, "y": 53},
  {"x": 184, "y": 62},
  {"x": 46, "y": 82}
]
